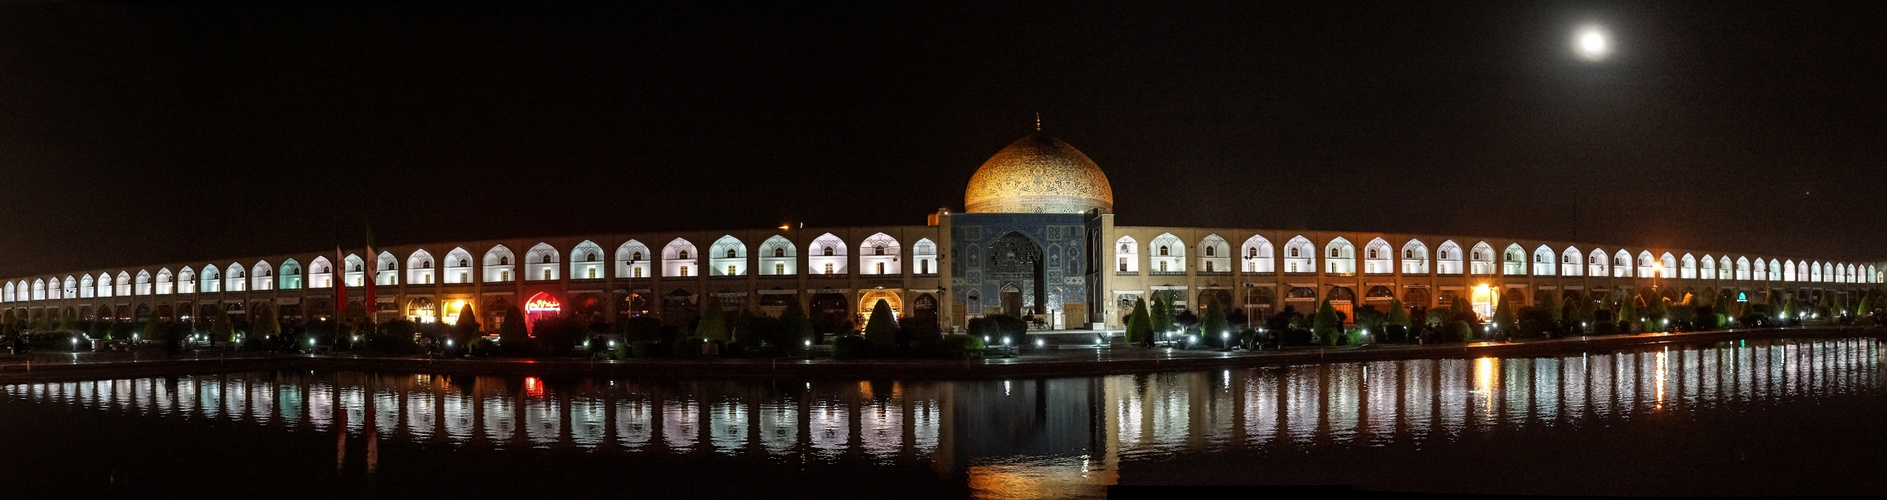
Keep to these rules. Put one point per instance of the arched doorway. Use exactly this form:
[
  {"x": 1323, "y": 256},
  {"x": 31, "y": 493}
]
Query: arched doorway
[
  {"x": 830, "y": 313},
  {"x": 1259, "y": 302},
  {"x": 1416, "y": 297},
  {"x": 1015, "y": 265},
  {"x": 540, "y": 307},
  {"x": 1343, "y": 300},
  {"x": 420, "y": 310},
  {"x": 869, "y": 300},
  {"x": 1483, "y": 301}
]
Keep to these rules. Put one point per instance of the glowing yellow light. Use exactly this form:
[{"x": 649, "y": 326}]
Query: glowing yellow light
[{"x": 784, "y": 227}]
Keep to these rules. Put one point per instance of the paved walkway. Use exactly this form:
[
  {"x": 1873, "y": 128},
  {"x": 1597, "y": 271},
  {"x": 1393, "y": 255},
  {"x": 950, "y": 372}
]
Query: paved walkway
[{"x": 1072, "y": 360}]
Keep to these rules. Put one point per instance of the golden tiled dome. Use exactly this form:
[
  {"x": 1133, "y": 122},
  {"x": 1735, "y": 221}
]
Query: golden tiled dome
[{"x": 1039, "y": 174}]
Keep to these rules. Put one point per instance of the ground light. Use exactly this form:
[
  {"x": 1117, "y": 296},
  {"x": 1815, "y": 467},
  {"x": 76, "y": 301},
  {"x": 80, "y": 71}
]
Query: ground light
[{"x": 1039, "y": 343}]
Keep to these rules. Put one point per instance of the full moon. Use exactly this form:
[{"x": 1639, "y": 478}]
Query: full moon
[{"x": 1592, "y": 44}]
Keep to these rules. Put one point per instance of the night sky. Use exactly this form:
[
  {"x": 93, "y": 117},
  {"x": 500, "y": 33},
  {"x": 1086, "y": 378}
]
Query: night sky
[{"x": 143, "y": 133}]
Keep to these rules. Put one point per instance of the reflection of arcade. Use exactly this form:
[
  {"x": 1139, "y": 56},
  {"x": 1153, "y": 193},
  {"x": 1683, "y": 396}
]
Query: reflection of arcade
[{"x": 830, "y": 314}]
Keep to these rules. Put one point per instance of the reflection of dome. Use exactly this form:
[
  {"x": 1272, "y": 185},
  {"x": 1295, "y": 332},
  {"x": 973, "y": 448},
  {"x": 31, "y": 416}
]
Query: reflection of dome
[{"x": 1039, "y": 174}]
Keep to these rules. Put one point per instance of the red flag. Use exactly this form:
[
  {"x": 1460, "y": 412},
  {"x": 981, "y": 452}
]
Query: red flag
[{"x": 373, "y": 263}]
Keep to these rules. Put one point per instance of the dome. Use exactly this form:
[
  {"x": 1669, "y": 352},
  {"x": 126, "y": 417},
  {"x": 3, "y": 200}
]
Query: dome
[{"x": 1039, "y": 174}]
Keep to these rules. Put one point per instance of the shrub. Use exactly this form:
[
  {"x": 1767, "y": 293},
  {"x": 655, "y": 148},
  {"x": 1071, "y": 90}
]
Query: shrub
[
  {"x": 483, "y": 347},
  {"x": 1460, "y": 331},
  {"x": 685, "y": 348},
  {"x": 1532, "y": 328},
  {"x": 1395, "y": 333},
  {"x": 997, "y": 326},
  {"x": 882, "y": 328},
  {"x": 1605, "y": 328},
  {"x": 647, "y": 349},
  {"x": 851, "y": 347},
  {"x": 1327, "y": 326},
  {"x": 963, "y": 346}
]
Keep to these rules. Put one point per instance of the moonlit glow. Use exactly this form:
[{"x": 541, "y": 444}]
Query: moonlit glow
[{"x": 1592, "y": 44}]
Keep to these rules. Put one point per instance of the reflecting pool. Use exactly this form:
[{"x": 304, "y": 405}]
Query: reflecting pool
[{"x": 1742, "y": 417}]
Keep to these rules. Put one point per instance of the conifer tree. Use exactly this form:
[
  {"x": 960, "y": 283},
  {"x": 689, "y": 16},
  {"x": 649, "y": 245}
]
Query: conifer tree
[
  {"x": 713, "y": 324},
  {"x": 1326, "y": 325},
  {"x": 1212, "y": 325},
  {"x": 1398, "y": 314},
  {"x": 1160, "y": 317},
  {"x": 1549, "y": 302},
  {"x": 882, "y": 328},
  {"x": 1139, "y": 325},
  {"x": 220, "y": 327},
  {"x": 798, "y": 326},
  {"x": 513, "y": 336},
  {"x": 266, "y": 324},
  {"x": 1504, "y": 315},
  {"x": 467, "y": 325}
]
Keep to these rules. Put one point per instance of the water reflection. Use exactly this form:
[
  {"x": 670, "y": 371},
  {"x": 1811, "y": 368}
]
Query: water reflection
[{"x": 1026, "y": 438}]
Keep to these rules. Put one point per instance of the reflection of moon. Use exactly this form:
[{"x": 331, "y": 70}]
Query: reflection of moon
[{"x": 1592, "y": 44}]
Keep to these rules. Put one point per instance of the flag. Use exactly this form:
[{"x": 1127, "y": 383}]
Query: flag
[{"x": 373, "y": 262}]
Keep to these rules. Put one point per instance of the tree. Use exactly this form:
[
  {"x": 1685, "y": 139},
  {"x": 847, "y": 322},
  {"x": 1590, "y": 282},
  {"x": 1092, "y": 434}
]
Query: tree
[
  {"x": 467, "y": 324},
  {"x": 266, "y": 324},
  {"x": 1462, "y": 308},
  {"x": 1213, "y": 326},
  {"x": 882, "y": 329},
  {"x": 1504, "y": 320},
  {"x": 1549, "y": 303},
  {"x": 220, "y": 327},
  {"x": 1160, "y": 317},
  {"x": 1398, "y": 314},
  {"x": 798, "y": 327},
  {"x": 1627, "y": 313},
  {"x": 713, "y": 324},
  {"x": 1139, "y": 324},
  {"x": 513, "y": 337},
  {"x": 1327, "y": 326}
]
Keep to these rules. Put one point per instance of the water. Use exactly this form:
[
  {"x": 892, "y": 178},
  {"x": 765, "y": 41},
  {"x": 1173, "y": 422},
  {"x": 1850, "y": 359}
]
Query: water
[{"x": 1770, "y": 416}]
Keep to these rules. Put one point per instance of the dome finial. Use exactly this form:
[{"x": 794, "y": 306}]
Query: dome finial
[{"x": 1038, "y": 121}]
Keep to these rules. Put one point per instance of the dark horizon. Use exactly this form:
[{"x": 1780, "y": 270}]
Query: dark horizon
[{"x": 146, "y": 133}]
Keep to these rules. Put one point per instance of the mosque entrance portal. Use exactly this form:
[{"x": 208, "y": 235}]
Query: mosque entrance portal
[{"x": 1016, "y": 263}]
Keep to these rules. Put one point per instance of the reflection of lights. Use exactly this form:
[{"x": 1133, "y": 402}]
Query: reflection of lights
[{"x": 1662, "y": 355}]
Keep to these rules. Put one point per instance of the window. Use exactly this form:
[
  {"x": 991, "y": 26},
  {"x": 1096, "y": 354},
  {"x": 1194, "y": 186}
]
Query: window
[
  {"x": 730, "y": 270},
  {"x": 1208, "y": 266},
  {"x": 1163, "y": 252},
  {"x": 1336, "y": 252},
  {"x": 504, "y": 275},
  {"x": 1537, "y": 259},
  {"x": 1293, "y": 253},
  {"x": 464, "y": 277},
  {"x": 684, "y": 269},
  {"x": 635, "y": 256},
  {"x": 1477, "y": 255},
  {"x": 356, "y": 269},
  {"x": 592, "y": 273},
  {"x": 828, "y": 253},
  {"x": 1372, "y": 253},
  {"x": 1123, "y": 264},
  {"x": 546, "y": 274},
  {"x": 1209, "y": 251},
  {"x": 880, "y": 249},
  {"x": 504, "y": 260},
  {"x": 425, "y": 264},
  {"x": 1162, "y": 266},
  {"x": 730, "y": 254},
  {"x": 1251, "y": 252},
  {"x": 923, "y": 267},
  {"x": 779, "y": 252},
  {"x": 590, "y": 258},
  {"x": 636, "y": 273},
  {"x": 881, "y": 268},
  {"x": 828, "y": 264},
  {"x": 682, "y": 255},
  {"x": 1441, "y": 254},
  {"x": 779, "y": 269},
  {"x": 1408, "y": 254},
  {"x": 389, "y": 267}
]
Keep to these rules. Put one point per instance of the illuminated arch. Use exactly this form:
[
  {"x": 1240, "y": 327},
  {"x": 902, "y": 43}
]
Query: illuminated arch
[
  {"x": 1339, "y": 256},
  {"x": 727, "y": 257},
  {"x": 1572, "y": 262},
  {"x": 541, "y": 262},
  {"x": 1414, "y": 257},
  {"x": 632, "y": 260},
  {"x": 880, "y": 254},
  {"x": 85, "y": 286},
  {"x": 1166, "y": 254},
  {"x": 166, "y": 284},
  {"x": 678, "y": 259},
  {"x": 321, "y": 273},
  {"x": 290, "y": 278},
  {"x": 499, "y": 263},
  {"x": 1481, "y": 259},
  {"x": 104, "y": 285},
  {"x": 586, "y": 261},
  {"x": 1378, "y": 257},
  {"x": 924, "y": 255},
  {"x": 779, "y": 257},
  {"x": 1126, "y": 255},
  {"x": 1215, "y": 255},
  {"x": 1687, "y": 267},
  {"x": 827, "y": 256},
  {"x": 1448, "y": 258},
  {"x": 1300, "y": 255},
  {"x": 1545, "y": 261},
  {"x": 458, "y": 270}
]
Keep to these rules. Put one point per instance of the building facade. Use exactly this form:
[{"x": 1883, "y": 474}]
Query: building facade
[{"x": 1039, "y": 240}]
